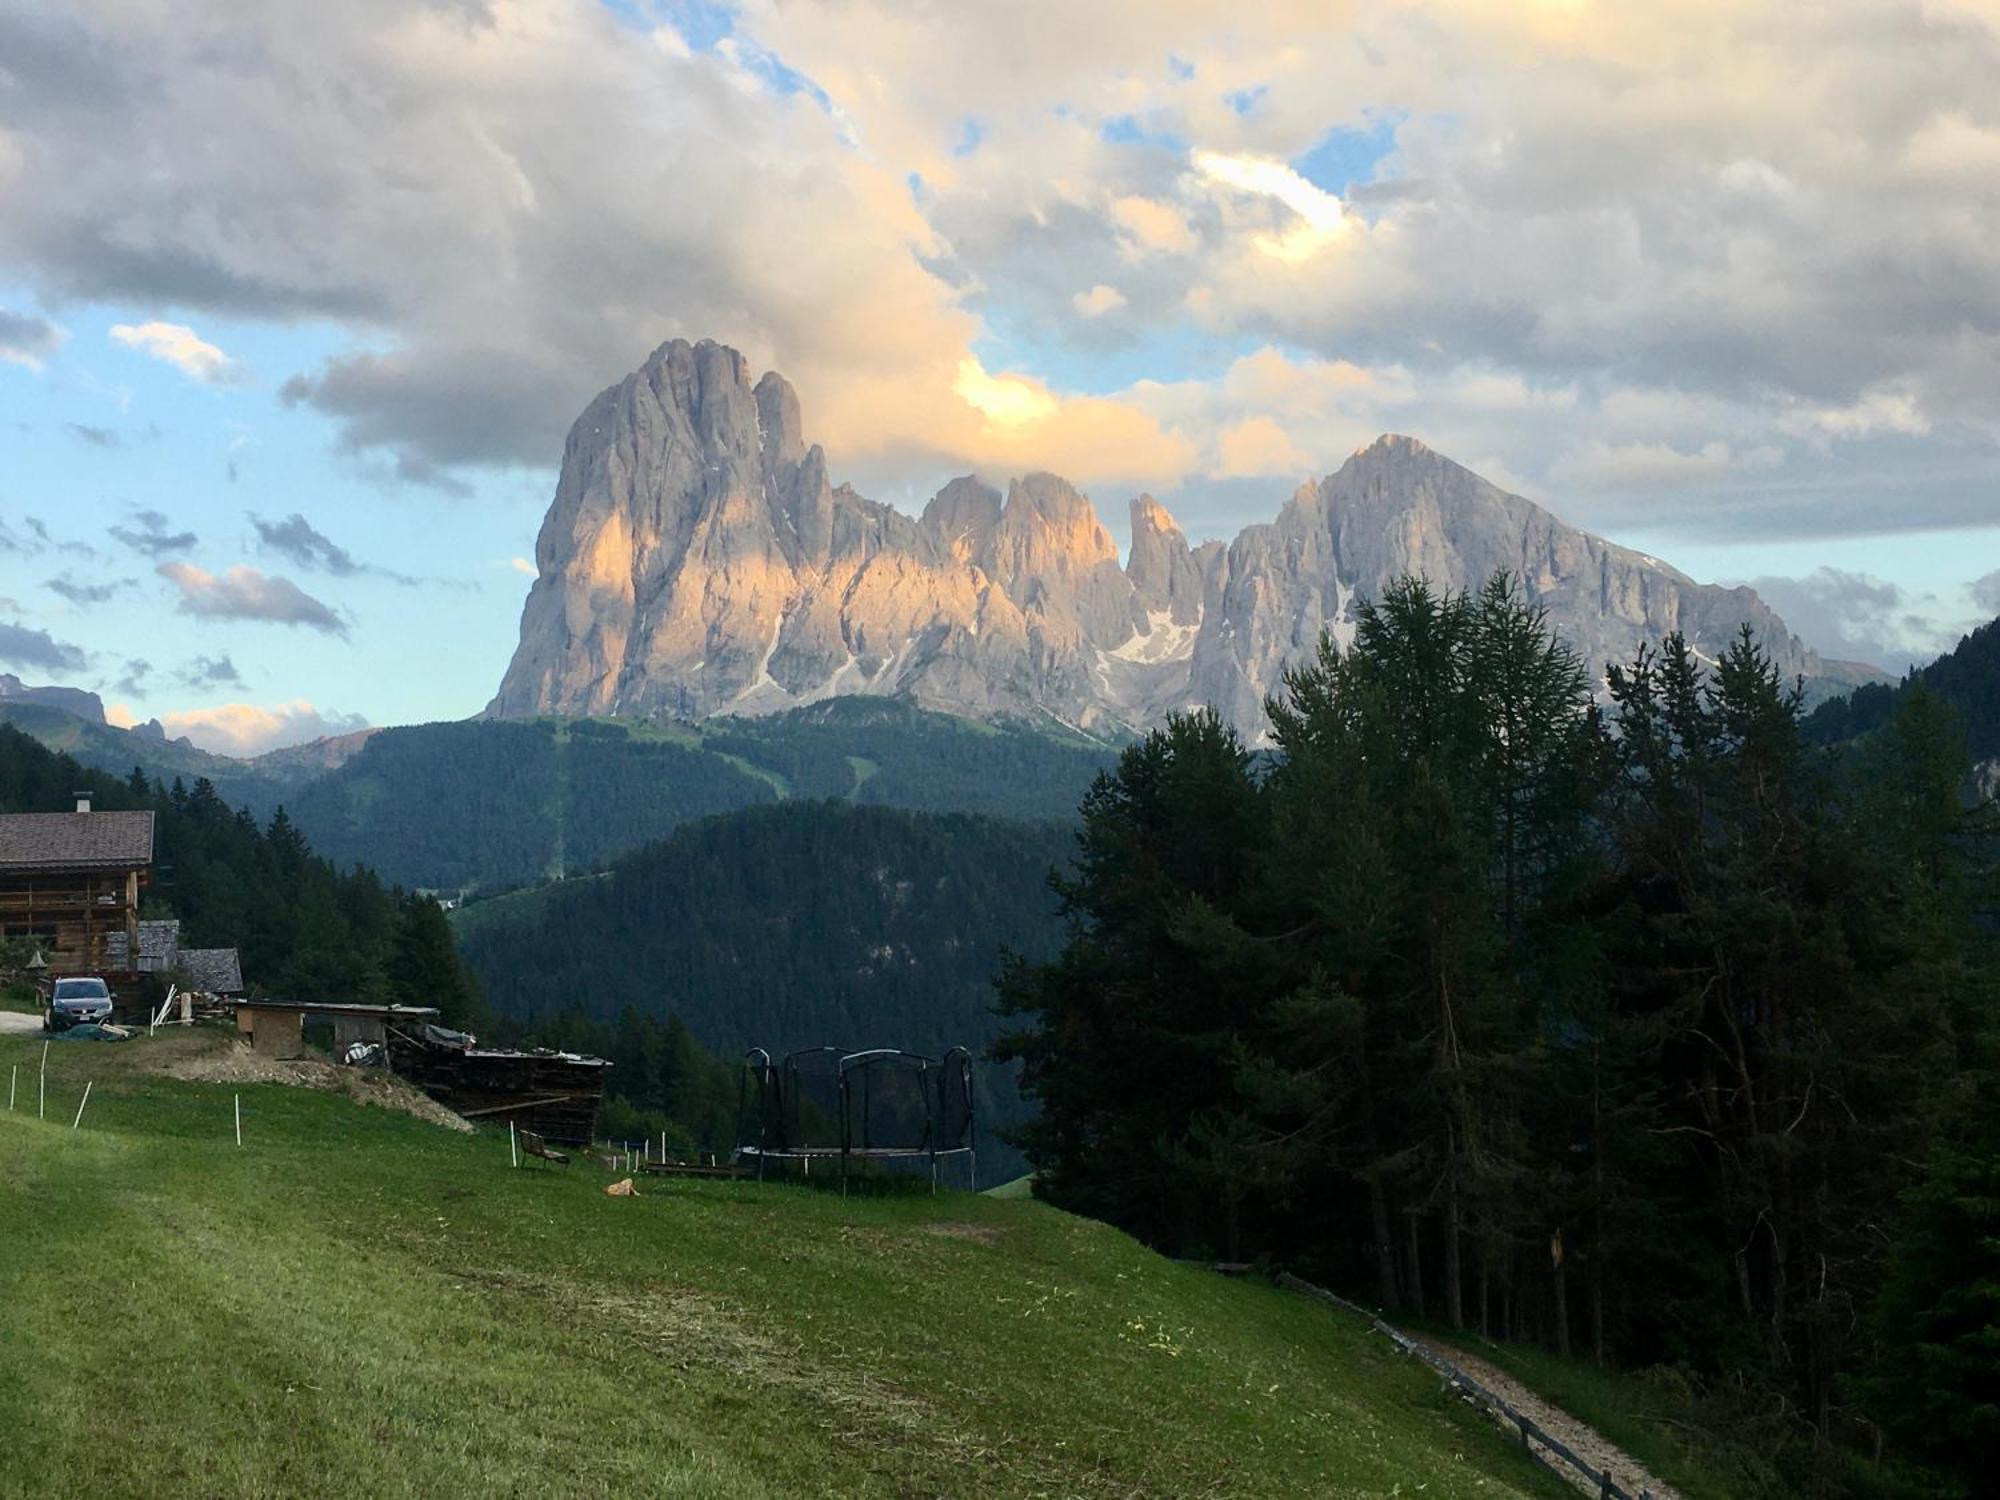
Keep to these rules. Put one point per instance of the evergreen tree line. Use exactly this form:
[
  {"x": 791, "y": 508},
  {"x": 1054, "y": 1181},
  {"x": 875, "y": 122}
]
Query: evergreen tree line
[
  {"x": 498, "y": 804},
  {"x": 1651, "y": 1032},
  {"x": 796, "y": 925},
  {"x": 662, "y": 1083},
  {"x": 303, "y": 929},
  {"x": 1967, "y": 677}
]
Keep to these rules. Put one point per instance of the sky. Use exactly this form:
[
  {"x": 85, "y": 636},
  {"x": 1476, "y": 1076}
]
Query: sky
[{"x": 297, "y": 301}]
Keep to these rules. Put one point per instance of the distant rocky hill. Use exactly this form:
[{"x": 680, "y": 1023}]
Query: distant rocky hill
[
  {"x": 699, "y": 560},
  {"x": 74, "y": 701}
]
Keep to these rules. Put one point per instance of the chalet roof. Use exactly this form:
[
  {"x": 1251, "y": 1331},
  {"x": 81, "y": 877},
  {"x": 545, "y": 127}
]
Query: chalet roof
[
  {"x": 213, "y": 971},
  {"x": 159, "y": 946},
  {"x": 75, "y": 841}
]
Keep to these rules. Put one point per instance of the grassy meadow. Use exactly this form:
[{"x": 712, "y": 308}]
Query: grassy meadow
[{"x": 356, "y": 1302}]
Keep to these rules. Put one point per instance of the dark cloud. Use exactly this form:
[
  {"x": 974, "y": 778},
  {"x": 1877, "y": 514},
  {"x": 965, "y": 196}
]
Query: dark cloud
[
  {"x": 27, "y": 340},
  {"x": 22, "y": 647},
  {"x": 93, "y": 437},
  {"x": 307, "y": 547},
  {"x": 149, "y": 534},
  {"x": 81, "y": 592},
  {"x": 133, "y": 681},
  {"x": 246, "y": 594},
  {"x": 21, "y": 546},
  {"x": 209, "y": 672}
]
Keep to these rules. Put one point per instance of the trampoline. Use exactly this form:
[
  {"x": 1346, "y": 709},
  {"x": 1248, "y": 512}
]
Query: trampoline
[{"x": 821, "y": 1103}]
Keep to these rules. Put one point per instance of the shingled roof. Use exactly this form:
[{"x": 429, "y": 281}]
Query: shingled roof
[
  {"x": 159, "y": 946},
  {"x": 215, "y": 971},
  {"x": 75, "y": 841}
]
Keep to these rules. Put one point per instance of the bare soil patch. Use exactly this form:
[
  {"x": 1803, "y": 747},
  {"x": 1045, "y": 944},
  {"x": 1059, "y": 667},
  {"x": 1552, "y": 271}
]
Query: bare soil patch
[{"x": 238, "y": 1063}]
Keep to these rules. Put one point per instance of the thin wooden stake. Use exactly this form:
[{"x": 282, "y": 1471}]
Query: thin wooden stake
[
  {"x": 513, "y": 1149},
  {"x": 12, "y": 1075},
  {"x": 79, "y": 1108},
  {"x": 239, "y": 1118}
]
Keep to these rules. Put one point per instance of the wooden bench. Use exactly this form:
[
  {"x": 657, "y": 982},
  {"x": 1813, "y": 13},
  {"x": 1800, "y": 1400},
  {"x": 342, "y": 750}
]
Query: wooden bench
[{"x": 532, "y": 1144}]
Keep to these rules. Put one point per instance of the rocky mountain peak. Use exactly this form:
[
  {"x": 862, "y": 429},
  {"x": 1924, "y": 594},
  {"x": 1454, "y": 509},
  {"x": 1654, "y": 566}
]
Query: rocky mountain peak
[
  {"x": 962, "y": 516},
  {"x": 1396, "y": 445},
  {"x": 782, "y": 429},
  {"x": 697, "y": 560}
]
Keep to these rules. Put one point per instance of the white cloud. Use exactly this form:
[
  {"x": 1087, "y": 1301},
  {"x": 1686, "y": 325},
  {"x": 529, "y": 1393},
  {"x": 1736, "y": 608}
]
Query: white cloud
[
  {"x": 1654, "y": 466},
  {"x": 1150, "y": 226},
  {"x": 1601, "y": 243},
  {"x": 1258, "y": 445},
  {"x": 250, "y": 729},
  {"x": 181, "y": 347},
  {"x": 1880, "y": 409},
  {"x": 1318, "y": 214},
  {"x": 522, "y": 566},
  {"x": 1098, "y": 301}
]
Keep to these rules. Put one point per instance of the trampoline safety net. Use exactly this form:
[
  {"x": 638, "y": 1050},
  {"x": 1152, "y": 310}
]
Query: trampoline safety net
[{"x": 875, "y": 1105}]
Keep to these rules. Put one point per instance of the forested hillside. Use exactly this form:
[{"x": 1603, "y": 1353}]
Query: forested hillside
[
  {"x": 305, "y": 929},
  {"x": 1653, "y": 1033},
  {"x": 1967, "y": 677},
  {"x": 789, "y": 926},
  {"x": 489, "y": 804}
]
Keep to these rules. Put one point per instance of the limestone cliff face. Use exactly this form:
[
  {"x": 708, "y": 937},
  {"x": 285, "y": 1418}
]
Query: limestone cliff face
[{"x": 697, "y": 560}]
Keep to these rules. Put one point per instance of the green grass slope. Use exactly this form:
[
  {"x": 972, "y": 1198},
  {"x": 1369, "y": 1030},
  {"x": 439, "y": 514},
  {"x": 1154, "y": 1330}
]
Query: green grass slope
[{"x": 356, "y": 1302}]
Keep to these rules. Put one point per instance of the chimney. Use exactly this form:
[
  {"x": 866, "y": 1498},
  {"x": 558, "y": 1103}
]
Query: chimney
[{"x": 83, "y": 800}]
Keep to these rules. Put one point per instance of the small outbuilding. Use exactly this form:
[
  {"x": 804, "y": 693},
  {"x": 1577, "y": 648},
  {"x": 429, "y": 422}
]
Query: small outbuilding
[{"x": 276, "y": 1028}]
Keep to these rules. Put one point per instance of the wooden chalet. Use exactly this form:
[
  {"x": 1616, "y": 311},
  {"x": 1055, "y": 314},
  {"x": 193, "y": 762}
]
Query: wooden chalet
[{"x": 70, "y": 882}]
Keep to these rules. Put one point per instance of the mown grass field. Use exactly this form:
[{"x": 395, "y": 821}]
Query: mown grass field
[{"x": 357, "y": 1303}]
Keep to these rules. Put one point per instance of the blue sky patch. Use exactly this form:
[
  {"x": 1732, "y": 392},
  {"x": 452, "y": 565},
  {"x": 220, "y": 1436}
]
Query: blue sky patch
[{"x": 1346, "y": 156}]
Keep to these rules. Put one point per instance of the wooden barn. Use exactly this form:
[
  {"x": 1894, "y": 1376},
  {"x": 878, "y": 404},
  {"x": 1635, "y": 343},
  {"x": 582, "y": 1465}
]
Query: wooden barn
[{"x": 70, "y": 883}]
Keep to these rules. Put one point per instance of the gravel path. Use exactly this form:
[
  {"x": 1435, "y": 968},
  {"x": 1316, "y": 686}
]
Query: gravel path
[
  {"x": 1580, "y": 1439},
  {"x": 12, "y": 1021}
]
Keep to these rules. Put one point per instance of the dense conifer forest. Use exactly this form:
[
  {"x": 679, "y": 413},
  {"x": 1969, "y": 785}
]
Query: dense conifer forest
[
  {"x": 1652, "y": 1033},
  {"x": 305, "y": 929},
  {"x": 795, "y": 925},
  {"x": 493, "y": 804},
  {"x": 1967, "y": 677}
]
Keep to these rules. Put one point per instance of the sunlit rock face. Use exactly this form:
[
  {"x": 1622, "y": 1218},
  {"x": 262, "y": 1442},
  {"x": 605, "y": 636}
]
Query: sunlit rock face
[{"x": 697, "y": 560}]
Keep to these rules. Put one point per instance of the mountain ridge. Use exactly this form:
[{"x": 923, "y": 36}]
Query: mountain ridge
[{"x": 698, "y": 560}]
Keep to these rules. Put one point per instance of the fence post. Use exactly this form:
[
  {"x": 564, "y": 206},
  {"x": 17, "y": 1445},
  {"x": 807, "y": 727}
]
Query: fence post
[{"x": 80, "y": 1103}]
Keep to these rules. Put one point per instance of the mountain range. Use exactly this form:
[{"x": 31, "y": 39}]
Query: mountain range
[{"x": 699, "y": 560}]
